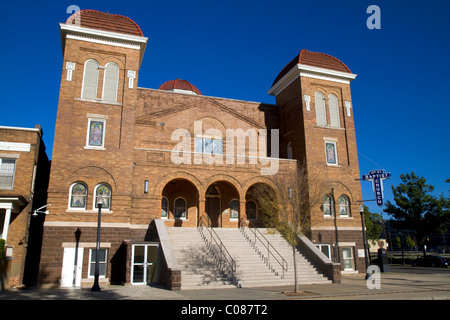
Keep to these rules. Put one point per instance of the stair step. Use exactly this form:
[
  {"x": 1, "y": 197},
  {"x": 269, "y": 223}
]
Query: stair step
[{"x": 200, "y": 268}]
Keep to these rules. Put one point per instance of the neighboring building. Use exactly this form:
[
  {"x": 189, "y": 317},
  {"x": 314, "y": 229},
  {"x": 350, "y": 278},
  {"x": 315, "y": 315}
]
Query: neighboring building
[
  {"x": 117, "y": 140},
  {"x": 24, "y": 171}
]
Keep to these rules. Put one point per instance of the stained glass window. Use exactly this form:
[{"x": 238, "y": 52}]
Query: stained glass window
[
  {"x": 343, "y": 206},
  {"x": 327, "y": 206},
  {"x": 78, "y": 196},
  {"x": 104, "y": 191},
  {"x": 96, "y": 132},
  {"x": 331, "y": 152}
]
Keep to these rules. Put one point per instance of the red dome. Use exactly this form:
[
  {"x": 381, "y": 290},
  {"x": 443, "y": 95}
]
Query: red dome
[
  {"x": 315, "y": 59},
  {"x": 179, "y": 84},
  {"x": 104, "y": 21}
]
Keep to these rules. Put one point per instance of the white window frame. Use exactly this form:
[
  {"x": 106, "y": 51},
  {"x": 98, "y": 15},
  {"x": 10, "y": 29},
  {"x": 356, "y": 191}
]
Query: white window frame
[
  {"x": 102, "y": 147},
  {"x": 324, "y": 109},
  {"x": 331, "y": 206},
  {"x": 69, "y": 204},
  {"x": 13, "y": 174},
  {"x": 351, "y": 259},
  {"x": 116, "y": 84},
  {"x": 335, "y": 153},
  {"x": 348, "y": 206},
  {"x": 320, "y": 245},
  {"x": 103, "y": 276},
  {"x": 337, "y": 111},
  {"x": 84, "y": 80}
]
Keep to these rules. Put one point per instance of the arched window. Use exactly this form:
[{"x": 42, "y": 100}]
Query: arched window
[
  {"x": 250, "y": 210},
  {"x": 103, "y": 190},
  {"x": 78, "y": 196},
  {"x": 320, "y": 109},
  {"x": 334, "y": 111},
  {"x": 110, "y": 83},
  {"x": 344, "y": 208},
  {"x": 328, "y": 206},
  {"x": 289, "y": 150},
  {"x": 180, "y": 208},
  {"x": 234, "y": 209},
  {"x": 90, "y": 80},
  {"x": 164, "y": 208}
]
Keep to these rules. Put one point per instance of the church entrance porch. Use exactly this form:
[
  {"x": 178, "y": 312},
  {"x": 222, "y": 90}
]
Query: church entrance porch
[
  {"x": 179, "y": 203},
  {"x": 221, "y": 205}
]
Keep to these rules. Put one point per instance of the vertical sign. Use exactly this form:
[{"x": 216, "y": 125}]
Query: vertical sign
[{"x": 377, "y": 177}]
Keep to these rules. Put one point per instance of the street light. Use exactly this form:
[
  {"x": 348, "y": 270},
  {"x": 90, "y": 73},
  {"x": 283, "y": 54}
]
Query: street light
[
  {"x": 361, "y": 211},
  {"x": 96, "y": 286}
]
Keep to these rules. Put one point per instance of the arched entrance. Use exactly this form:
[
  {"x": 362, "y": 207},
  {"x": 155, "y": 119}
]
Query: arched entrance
[
  {"x": 213, "y": 206},
  {"x": 222, "y": 204},
  {"x": 260, "y": 205},
  {"x": 179, "y": 203}
]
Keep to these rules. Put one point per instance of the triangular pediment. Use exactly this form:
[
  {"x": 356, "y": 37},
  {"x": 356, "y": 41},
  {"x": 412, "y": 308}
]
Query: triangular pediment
[{"x": 152, "y": 107}]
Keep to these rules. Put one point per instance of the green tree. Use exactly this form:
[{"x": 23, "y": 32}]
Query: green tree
[
  {"x": 415, "y": 208},
  {"x": 373, "y": 225},
  {"x": 288, "y": 212},
  {"x": 409, "y": 242}
]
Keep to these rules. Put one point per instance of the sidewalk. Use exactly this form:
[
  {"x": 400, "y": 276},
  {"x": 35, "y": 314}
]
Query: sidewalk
[{"x": 394, "y": 286}]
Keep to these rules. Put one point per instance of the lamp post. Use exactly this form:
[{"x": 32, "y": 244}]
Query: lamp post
[
  {"x": 361, "y": 211},
  {"x": 96, "y": 286}
]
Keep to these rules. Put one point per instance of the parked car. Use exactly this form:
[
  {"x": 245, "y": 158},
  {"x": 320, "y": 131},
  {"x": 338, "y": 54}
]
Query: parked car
[{"x": 430, "y": 261}]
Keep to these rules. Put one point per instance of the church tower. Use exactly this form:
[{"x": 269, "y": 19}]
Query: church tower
[
  {"x": 317, "y": 126},
  {"x": 92, "y": 153}
]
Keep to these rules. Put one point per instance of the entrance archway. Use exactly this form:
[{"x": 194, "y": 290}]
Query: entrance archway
[
  {"x": 222, "y": 204},
  {"x": 260, "y": 204},
  {"x": 179, "y": 202},
  {"x": 213, "y": 206}
]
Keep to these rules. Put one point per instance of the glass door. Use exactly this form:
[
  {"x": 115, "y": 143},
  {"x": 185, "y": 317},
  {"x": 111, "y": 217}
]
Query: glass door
[
  {"x": 144, "y": 268},
  {"x": 348, "y": 258}
]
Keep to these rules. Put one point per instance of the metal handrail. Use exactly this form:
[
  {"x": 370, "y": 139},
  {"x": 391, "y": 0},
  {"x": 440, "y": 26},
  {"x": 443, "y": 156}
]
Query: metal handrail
[
  {"x": 214, "y": 237},
  {"x": 283, "y": 263}
]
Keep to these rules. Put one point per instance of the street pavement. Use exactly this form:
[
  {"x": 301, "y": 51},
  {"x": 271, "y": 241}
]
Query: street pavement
[{"x": 402, "y": 283}]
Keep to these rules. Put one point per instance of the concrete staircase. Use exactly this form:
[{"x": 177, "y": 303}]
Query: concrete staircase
[
  {"x": 306, "y": 272},
  {"x": 253, "y": 267},
  {"x": 200, "y": 268}
]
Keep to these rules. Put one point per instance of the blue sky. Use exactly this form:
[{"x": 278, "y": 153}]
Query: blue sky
[{"x": 235, "y": 49}]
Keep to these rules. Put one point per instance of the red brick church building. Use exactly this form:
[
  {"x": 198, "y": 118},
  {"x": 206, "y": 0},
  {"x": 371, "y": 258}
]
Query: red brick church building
[{"x": 122, "y": 142}]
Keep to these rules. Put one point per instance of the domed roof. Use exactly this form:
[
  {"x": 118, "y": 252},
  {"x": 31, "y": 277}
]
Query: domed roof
[
  {"x": 105, "y": 21},
  {"x": 179, "y": 84},
  {"x": 314, "y": 59}
]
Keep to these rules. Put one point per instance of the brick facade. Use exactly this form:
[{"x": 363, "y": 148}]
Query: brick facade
[
  {"x": 27, "y": 192},
  {"x": 137, "y": 160}
]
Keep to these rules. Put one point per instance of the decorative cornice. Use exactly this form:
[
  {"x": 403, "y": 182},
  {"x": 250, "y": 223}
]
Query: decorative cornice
[
  {"x": 103, "y": 41},
  {"x": 103, "y": 37},
  {"x": 302, "y": 70}
]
